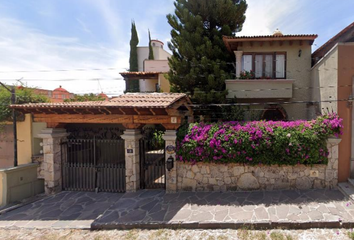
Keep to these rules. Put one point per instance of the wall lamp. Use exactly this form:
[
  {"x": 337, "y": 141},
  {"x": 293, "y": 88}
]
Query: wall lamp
[
  {"x": 350, "y": 100},
  {"x": 169, "y": 163}
]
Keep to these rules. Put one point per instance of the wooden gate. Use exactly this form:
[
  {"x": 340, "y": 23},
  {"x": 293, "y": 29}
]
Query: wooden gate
[
  {"x": 152, "y": 163},
  {"x": 93, "y": 165}
]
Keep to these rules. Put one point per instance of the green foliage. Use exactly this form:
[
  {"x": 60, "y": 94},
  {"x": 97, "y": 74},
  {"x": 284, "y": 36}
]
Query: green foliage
[
  {"x": 23, "y": 95},
  {"x": 133, "y": 85},
  {"x": 200, "y": 61},
  {"x": 157, "y": 140},
  {"x": 151, "y": 50},
  {"x": 260, "y": 142},
  {"x": 85, "y": 98}
]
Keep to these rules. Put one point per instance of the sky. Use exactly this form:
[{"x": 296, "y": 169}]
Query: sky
[{"x": 90, "y": 38}]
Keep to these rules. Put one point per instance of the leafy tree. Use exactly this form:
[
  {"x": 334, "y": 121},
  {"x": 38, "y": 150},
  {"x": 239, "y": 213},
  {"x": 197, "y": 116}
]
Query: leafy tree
[
  {"x": 151, "y": 50},
  {"x": 133, "y": 85},
  {"x": 23, "y": 95},
  {"x": 85, "y": 98},
  {"x": 200, "y": 62}
]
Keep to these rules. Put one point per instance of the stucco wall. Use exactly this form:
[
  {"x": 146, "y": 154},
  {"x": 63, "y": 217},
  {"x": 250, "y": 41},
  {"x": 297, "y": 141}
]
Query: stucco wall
[
  {"x": 164, "y": 83},
  {"x": 18, "y": 183},
  {"x": 298, "y": 68},
  {"x": 143, "y": 55},
  {"x": 324, "y": 74},
  {"x": 6, "y": 146},
  {"x": 156, "y": 66}
]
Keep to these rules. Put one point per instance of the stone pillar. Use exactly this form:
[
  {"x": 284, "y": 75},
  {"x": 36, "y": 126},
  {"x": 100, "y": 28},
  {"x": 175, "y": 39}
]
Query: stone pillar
[
  {"x": 132, "y": 161},
  {"x": 331, "y": 174},
  {"x": 238, "y": 55},
  {"x": 52, "y": 158},
  {"x": 170, "y": 137}
]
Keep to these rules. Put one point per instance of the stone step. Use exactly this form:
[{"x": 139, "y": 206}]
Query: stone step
[
  {"x": 351, "y": 181},
  {"x": 347, "y": 189}
]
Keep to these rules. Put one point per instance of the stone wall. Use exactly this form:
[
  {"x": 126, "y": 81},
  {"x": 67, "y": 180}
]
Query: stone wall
[{"x": 236, "y": 177}]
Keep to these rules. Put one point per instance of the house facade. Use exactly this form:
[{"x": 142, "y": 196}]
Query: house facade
[
  {"x": 332, "y": 76},
  {"x": 274, "y": 71},
  {"x": 151, "y": 73}
]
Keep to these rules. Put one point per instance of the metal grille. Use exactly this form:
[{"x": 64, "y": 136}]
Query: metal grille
[
  {"x": 93, "y": 165},
  {"x": 152, "y": 165}
]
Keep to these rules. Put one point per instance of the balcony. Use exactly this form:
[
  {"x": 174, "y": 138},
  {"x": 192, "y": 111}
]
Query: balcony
[{"x": 259, "y": 88}]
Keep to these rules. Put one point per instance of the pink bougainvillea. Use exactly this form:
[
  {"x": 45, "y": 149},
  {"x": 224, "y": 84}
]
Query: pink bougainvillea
[{"x": 260, "y": 142}]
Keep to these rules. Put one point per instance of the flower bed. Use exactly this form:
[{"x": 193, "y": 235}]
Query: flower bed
[{"x": 260, "y": 142}]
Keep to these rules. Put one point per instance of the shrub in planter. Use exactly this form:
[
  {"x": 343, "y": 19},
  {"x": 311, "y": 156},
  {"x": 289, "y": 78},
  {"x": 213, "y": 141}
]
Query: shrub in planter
[{"x": 260, "y": 142}]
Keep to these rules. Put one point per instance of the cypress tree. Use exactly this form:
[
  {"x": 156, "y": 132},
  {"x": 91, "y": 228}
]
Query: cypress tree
[
  {"x": 133, "y": 85},
  {"x": 200, "y": 62},
  {"x": 151, "y": 51}
]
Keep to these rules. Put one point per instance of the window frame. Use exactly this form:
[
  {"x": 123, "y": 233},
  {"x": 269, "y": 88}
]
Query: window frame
[{"x": 274, "y": 54}]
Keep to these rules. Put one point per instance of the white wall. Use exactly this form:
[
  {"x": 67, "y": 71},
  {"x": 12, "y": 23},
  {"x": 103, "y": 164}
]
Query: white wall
[{"x": 156, "y": 66}]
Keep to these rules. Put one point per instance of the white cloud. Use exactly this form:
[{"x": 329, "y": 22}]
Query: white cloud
[
  {"x": 25, "y": 48},
  {"x": 264, "y": 16}
]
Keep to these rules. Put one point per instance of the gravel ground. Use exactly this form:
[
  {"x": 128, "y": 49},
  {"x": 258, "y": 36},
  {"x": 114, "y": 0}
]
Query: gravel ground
[{"x": 167, "y": 234}]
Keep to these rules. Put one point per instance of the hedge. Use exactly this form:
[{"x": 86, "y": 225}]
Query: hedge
[{"x": 260, "y": 142}]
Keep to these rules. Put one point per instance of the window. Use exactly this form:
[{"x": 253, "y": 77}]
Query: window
[{"x": 265, "y": 65}]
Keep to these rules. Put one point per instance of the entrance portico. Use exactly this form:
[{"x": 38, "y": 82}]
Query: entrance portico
[{"x": 132, "y": 111}]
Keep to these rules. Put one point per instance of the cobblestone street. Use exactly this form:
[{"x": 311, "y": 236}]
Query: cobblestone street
[{"x": 50, "y": 234}]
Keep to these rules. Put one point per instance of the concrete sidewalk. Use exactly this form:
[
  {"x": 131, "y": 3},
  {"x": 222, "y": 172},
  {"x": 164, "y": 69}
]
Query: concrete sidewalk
[{"x": 271, "y": 209}]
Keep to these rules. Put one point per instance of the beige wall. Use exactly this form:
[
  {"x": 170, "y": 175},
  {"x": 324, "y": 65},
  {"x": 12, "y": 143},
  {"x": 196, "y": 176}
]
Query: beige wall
[
  {"x": 298, "y": 69},
  {"x": 325, "y": 74},
  {"x": 6, "y": 146},
  {"x": 18, "y": 183},
  {"x": 143, "y": 66},
  {"x": 164, "y": 83},
  {"x": 336, "y": 69},
  {"x": 156, "y": 66}
]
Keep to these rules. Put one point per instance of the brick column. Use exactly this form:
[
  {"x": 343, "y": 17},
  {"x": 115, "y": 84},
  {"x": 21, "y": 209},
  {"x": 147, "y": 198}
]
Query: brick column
[
  {"x": 132, "y": 160},
  {"x": 52, "y": 158},
  {"x": 170, "y": 137},
  {"x": 238, "y": 55}
]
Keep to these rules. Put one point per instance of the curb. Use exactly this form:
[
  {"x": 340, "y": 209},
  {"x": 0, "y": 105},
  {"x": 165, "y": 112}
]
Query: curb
[{"x": 209, "y": 225}]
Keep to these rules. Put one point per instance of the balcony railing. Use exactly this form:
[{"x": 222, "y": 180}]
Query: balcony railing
[{"x": 259, "y": 88}]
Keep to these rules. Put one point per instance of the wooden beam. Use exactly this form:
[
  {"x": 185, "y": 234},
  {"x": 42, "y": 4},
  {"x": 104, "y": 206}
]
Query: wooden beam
[
  {"x": 157, "y": 119},
  {"x": 122, "y": 111},
  {"x": 89, "y": 118},
  {"x": 171, "y": 126},
  {"x": 136, "y": 110},
  {"x": 153, "y": 113},
  {"x": 82, "y": 118}
]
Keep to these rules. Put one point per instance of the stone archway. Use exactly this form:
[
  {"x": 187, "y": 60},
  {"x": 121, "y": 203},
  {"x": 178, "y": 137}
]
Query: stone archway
[{"x": 274, "y": 113}]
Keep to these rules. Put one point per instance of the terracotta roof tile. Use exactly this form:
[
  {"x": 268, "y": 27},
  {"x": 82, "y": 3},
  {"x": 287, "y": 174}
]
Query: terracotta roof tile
[
  {"x": 273, "y": 36},
  {"x": 137, "y": 100}
]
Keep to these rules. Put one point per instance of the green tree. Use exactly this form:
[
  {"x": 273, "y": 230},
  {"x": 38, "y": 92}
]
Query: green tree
[
  {"x": 200, "y": 62},
  {"x": 23, "y": 95},
  {"x": 85, "y": 98},
  {"x": 151, "y": 50},
  {"x": 133, "y": 85}
]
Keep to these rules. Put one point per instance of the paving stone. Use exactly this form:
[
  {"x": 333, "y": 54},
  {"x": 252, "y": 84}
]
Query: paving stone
[
  {"x": 200, "y": 217},
  {"x": 261, "y": 213}
]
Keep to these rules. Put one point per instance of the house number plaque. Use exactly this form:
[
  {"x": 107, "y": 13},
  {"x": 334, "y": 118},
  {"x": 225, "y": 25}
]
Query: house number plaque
[
  {"x": 129, "y": 150},
  {"x": 170, "y": 149}
]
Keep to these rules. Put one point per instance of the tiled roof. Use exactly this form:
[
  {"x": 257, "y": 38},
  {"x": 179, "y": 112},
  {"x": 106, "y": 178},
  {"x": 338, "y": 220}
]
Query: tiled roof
[
  {"x": 137, "y": 100},
  {"x": 331, "y": 42},
  {"x": 273, "y": 36}
]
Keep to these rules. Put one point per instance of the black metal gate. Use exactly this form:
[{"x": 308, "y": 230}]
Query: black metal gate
[
  {"x": 93, "y": 165},
  {"x": 152, "y": 163}
]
